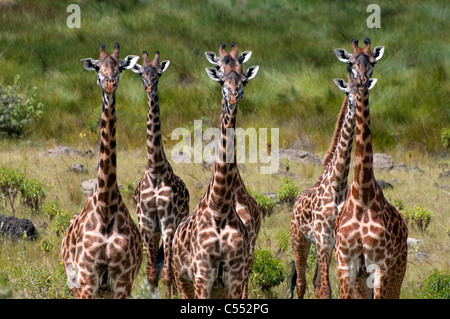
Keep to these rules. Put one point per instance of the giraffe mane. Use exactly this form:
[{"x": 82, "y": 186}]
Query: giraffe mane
[{"x": 331, "y": 150}]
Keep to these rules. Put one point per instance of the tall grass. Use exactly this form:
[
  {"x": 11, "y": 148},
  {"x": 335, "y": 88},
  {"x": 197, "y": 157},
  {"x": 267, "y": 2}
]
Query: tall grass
[{"x": 292, "y": 41}]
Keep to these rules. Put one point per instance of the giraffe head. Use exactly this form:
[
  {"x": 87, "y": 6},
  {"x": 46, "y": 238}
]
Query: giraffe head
[
  {"x": 108, "y": 67},
  {"x": 351, "y": 89},
  {"x": 361, "y": 61},
  {"x": 150, "y": 71},
  {"x": 228, "y": 72}
]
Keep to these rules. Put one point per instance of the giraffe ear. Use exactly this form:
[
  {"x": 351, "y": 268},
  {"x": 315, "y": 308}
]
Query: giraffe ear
[
  {"x": 136, "y": 68},
  {"x": 212, "y": 57},
  {"x": 342, "y": 55},
  {"x": 245, "y": 56},
  {"x": 128, "y": 62},
  {"x": 372, "y": 82},
  {"x": 378, "y": 52},
  {"x": 164, "y": 65},
  {"x": 214, "y": 74},
  {"x": 251, "y": 72},
  {"x": 341, "y": 84},
  {"x": 90, "y": 64}
]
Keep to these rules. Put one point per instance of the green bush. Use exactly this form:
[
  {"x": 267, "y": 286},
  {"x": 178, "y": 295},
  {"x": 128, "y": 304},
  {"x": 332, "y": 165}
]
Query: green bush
[
  {"x": 58, "y": 216},
  {"x": 32, "y": 193},
  {"x": 14, "y": 182},
  {"x": 265, "y": 203},
  {"x": 288, "y": 191},
  {"x": 267, "y": 271},
  {"x": 16, "y": 109},
  {"x": 437, "y": 286},
  {"x": 418, "y": 216},
  {"x": 445, "y": 137},
  {"x": 42, "y": 282},
  {"x": 11, "y": 181}
]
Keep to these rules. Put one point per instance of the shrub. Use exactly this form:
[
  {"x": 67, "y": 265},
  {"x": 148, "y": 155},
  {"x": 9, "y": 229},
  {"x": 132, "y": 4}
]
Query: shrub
[
  {"x": 284, "y": 240},
  {"x": 419, "y": 217},
  {"x": 32, "y": 193},
  {"x": 46, "y": 245},
  {"x": 128, "y": 191},
  {"x": 16, "y": 109},
  {"x": 43, "y": 282},
  {"x": 267, "y": 271},
  {"x": 445, "y": 137},
  {"x": 437, "y": 286},
  {"x": 14, "y": 182},
  {"x": 58, "y": 215},
  {"x": 265, "y": 203},
  {"x": 11, "y": 181},
  {"x": 399, "y": 204},
  {"x": 288, "y": 191}
]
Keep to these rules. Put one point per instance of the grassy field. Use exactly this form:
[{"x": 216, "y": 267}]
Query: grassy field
[
  {"x": 31, "y": 269},
  {"x": 292, "y": 42}
]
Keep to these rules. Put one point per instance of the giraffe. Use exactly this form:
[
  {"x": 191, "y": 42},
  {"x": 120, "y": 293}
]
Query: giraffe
[
  {"x": 246, "y": 206},
  {"x": 211, "y": 246},
  {"x": 162, "y": 197},
  {"x": 370, "y": 233},
  {"x": 316, "y": 208},
  {"x": 102, "y": 247}
]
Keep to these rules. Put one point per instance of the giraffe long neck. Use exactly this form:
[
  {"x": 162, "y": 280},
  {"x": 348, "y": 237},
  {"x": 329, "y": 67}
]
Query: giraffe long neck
[
  {"x": 107, "y": 190},
  {"x": 224, "y": 172},
  {"x": 328, "y": 157},
  {"x": 363, "y": 185},
  {"x": 340, "y": 162},
  {"x": 155, "y": 152}
]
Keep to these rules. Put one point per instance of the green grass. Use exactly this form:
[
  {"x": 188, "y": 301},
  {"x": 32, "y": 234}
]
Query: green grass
[
  {"x": 292, "y": 41},
  {"x": 33, "y": 270}
]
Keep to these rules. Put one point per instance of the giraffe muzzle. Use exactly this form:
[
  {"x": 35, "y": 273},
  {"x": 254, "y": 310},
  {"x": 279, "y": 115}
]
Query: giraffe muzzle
[
  {"x": 110, "y": 85},
  {"x": 233, "y": 97}
]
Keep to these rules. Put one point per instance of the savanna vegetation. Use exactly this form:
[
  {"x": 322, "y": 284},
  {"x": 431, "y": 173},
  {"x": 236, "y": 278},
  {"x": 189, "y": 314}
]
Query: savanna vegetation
[{"x": 47, "y": 99}]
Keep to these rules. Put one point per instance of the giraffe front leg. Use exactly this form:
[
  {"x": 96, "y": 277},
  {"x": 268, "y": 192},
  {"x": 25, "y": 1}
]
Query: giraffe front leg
[
  {"x": 346, "y": 269},
  {"x": 322, "y": 277},
  {"x": 203, "y": 282},
  {"x": 300, "y": 248},
  {"x": 87, "y": 286},
  {"x": 167, "y": 275},
  {"x": 151, "y": 240}
]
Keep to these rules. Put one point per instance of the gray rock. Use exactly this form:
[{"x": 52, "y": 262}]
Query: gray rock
[
  {"x": 17, "y": 228},
  {"x": 445, "y": 174},
  {"x": 401, "y": 167},
  {"x": 62, "y": 151},
  {"x": 88, "y": 186},
  {"x": 414, "y": 242},
  {"x": 417, "y": 169},
  {"x": 77, "y": 168},
  {"x": 383, "y": 184},
  {"x": 198, "y": 185},
  {"x": 298, "y": 156},
  {"x": 382, "y": 161}
]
